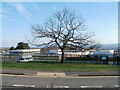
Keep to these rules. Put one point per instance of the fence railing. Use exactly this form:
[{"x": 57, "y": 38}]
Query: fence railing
[
  {"x": 68, "y": 58},
  {"x": 96, "y": 60}
]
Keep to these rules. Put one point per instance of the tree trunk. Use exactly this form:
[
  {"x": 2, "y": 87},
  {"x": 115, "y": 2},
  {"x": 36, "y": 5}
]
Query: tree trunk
[{"x": 62, "y": 56}]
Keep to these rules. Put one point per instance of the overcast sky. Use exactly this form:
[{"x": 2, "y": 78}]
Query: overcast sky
[{"x": 17, "y": 17}]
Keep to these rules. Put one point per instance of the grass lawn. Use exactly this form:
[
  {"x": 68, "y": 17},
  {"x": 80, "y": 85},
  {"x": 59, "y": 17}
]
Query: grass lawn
[{"x": 57, "y": 66}]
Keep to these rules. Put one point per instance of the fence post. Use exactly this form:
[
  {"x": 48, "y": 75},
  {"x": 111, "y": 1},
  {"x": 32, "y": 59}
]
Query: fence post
[
  {"x": 96, "y": 57},
  {"x": 107, "y": 60},
  {"x": 117, "y": 60},
  {"x": 113, "y": 60},
  {"x": 101, "y": 60}
]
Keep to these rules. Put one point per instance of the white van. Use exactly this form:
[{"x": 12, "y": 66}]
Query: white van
[{"x": 25, "y": 58}]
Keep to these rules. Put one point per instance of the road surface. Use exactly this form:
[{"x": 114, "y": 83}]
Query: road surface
[{"x": 59, "y": 82}]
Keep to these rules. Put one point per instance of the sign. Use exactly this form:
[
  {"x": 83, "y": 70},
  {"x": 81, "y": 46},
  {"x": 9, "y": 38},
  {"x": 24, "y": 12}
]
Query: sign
[{"x": 103, "y": 58}]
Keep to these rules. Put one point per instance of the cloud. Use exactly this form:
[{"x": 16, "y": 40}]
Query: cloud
[
  {"x": 7, "y": 18},
  {"x": 22, "y": 10},
  {"x": 5, "y": 13}
]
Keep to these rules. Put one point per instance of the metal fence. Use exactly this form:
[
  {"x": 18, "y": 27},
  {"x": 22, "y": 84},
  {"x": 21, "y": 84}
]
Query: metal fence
[
  {"x": 46, "y": 57},
  {"x": 9, "y": 58},
  {"x": 36, "y": 57},
  {"x": 68, "y": 58},
  {"x": 95, "y": 59}
]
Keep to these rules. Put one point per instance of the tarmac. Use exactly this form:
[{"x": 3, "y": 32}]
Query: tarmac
[{"x": 67, "y": 73}]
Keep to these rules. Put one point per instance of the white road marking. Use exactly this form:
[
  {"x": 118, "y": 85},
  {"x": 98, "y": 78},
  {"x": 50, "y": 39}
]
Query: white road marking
[
  {"x": 91, "y": 86},
  {"x": 18, "y": 85},
  {"x": 57, "y": 86}
]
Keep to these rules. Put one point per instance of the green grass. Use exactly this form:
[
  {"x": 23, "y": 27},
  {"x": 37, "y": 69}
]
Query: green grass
[{"x": 57, "y": 66}]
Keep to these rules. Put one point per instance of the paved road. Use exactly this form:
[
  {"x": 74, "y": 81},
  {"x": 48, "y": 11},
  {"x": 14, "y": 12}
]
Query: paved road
[{"x": 59, "y": 82}]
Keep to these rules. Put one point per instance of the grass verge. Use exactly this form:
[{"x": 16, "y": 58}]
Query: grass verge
[{"x": 57, "y": 66}]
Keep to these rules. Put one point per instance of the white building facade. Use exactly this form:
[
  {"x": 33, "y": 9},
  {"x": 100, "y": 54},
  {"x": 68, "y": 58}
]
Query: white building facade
[{"x": 109, "y": 53}]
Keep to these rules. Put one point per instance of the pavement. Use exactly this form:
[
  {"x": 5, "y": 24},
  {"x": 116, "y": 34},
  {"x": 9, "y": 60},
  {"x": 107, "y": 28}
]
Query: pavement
[{"x": 67, "y": 73}]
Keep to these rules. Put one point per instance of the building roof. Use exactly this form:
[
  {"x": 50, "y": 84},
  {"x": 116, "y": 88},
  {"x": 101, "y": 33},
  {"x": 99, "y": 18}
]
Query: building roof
[{"x": 25, "y": 50}]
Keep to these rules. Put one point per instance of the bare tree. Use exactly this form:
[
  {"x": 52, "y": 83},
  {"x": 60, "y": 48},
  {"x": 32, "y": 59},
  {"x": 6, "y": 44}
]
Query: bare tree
[{"x": 64, "y": 28}]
